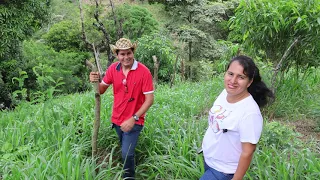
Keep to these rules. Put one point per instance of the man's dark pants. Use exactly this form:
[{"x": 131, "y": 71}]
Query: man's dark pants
[{"x": 128, "y": 141}]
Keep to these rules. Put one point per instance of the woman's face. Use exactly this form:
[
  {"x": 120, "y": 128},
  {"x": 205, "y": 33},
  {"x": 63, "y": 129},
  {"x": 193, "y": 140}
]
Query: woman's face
[{"x": 235, "y": 81}]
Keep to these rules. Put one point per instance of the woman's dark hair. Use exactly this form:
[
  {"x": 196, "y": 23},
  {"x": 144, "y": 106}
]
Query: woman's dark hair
[{"x": 258, "y": 89}]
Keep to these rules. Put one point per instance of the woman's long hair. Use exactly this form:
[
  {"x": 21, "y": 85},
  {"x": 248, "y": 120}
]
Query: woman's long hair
[{"x": 258, "y": 89}]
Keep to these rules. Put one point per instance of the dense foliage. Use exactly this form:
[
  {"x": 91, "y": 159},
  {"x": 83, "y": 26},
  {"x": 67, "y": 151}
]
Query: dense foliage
[
  {"x": 48, "y": 135},
  {"x": 272, "y": 26},
  {"x": 136, "y": 21},
  {"x": 19, "y": 19},
  {"x": 158, "y": 45},
  {"x": 64, "y": 35},
  {"x": 199, "y": 24}
]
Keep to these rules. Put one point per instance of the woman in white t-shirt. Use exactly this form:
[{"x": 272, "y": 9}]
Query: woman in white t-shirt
[{"x": 235, "y": 122}]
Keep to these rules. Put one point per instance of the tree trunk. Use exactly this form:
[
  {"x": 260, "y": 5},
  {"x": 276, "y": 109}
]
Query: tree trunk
[
  {"x": 155, "y": 70},
  {"x": 173, "y": 76},
  {"x": 190, "y": 61},
  {"x": 278, "y": 67},
  {"x": 182, "y": 70}
]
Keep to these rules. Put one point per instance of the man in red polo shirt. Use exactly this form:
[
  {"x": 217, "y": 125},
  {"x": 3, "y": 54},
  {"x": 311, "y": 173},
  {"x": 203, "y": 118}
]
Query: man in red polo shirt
[{"x": 133, "y": 96}]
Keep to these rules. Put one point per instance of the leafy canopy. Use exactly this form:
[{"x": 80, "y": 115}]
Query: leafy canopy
[
  {"x": 65, "y": 35},
  {"x": 158, "y": 45},
  {"x": 272, "y": 25},
  {"x": 136, "y": 21},
  {"x": 19, "y": 19}
]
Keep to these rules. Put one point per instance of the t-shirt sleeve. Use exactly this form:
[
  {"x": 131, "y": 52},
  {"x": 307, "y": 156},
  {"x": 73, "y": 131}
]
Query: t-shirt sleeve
[
  {"x": 108, "y": 77},
  {"x": 147, "y": 86},
  {"x": 250, "y": 128}
]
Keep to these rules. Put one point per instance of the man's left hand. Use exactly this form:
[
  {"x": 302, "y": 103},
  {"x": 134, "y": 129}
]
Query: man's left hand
[{"x": 127, "y": 125}]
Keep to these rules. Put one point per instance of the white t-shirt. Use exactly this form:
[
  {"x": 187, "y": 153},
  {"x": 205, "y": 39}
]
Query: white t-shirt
[{"x": 243, "y": 122}]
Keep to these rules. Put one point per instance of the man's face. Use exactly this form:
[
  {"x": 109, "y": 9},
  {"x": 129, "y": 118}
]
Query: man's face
[{"x": 126, "y": 58}]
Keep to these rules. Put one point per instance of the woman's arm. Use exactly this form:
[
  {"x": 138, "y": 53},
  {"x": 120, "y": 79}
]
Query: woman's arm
[{"x": 245, "y": 160}]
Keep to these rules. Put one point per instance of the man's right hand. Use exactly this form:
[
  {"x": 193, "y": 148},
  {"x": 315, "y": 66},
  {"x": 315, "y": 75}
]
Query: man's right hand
[{"x": 94, "y": 77}]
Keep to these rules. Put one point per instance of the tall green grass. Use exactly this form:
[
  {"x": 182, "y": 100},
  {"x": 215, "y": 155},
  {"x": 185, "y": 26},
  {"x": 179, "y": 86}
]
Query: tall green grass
[
  {"x": 298, "y": 95},
  {"x": 51, "y": 140}
]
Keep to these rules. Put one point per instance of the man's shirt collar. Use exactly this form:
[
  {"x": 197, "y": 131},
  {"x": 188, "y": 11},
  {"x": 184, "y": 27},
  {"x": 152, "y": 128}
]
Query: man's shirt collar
[{"x": 134, "y": 66}]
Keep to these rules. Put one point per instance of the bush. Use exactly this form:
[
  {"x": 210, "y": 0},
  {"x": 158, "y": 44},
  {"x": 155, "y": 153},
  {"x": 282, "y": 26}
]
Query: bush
[
  {"x": 278, "y": 135},
  {"x": 69, "y": 66},
  {"x": 65, "y": 35},
  {"x": 158, "y": 45}
]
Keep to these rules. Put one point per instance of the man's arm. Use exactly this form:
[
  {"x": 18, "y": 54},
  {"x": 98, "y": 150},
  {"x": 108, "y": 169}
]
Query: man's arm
[
  {"x": 146, "y": 105},
  {"x": 245, "y": 159},
  {"x": 127, "y": 125},
  {"x": 102, "y": 87}
]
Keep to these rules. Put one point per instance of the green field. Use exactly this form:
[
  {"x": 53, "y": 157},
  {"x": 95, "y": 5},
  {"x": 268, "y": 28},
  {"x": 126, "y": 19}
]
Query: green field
[
  {"x": 48, "y": 105},
  {"x": 51, "y": 140}
]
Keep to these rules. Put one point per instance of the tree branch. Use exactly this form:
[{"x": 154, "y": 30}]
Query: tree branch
[
  {"x": 105, "y": 33},
  {"x": 279, "y": 65},
  {"x": 155, "y": 69},
  {"x": 119, "y": 28},
  {"x": 84, "y": 36}
]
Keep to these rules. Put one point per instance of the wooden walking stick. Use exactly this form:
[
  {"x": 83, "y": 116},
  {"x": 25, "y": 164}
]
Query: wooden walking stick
[
  {"x": 96, "y": 48},
  {"x": 95, "y": 68},
  {"x": 96, "y": 123}
]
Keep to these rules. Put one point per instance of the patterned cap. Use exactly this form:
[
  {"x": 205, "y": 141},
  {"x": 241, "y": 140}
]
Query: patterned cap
[{"x": 123, "y": 44}]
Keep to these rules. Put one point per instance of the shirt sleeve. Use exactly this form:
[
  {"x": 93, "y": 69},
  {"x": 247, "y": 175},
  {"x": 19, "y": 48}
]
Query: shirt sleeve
[
  {"x": 108, "y": 77},
  {"x": 250, "y": 128},
  {"x": 147, "y": 86}
]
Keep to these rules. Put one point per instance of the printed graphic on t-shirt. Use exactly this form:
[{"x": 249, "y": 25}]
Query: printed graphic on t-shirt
[{"x": 216, "y": 116}]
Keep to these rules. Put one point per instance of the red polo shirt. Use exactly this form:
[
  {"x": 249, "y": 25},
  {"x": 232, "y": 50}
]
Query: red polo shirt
[{"x": 129, "y": 93}]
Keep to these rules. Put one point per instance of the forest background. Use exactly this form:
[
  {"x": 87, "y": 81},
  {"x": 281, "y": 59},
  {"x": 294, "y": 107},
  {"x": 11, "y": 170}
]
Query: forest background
[{"x": 47, "y": 101}]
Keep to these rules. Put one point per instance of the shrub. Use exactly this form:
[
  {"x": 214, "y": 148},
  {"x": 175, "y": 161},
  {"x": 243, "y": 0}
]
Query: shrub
[
  {"x": 160, "y": 46},
  {"x": 278, "y": 135},
  {"x": 65, "y": 35}
]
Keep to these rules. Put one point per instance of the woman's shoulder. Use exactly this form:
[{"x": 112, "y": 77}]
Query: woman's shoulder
[{"x": 249, "y": 105}]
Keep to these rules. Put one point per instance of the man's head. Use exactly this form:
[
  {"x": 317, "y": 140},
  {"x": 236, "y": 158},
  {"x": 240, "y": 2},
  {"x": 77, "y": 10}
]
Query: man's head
[{"x": 124, "y": 51}]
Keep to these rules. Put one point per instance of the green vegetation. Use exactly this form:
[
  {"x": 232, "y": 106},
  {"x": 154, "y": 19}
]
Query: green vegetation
[
  {"x": 272, "y": 26},
  {"x": 19, "y": 19},
  {"x": 52, "y": 139},
  {"x": 159, "y": 45},
  {"x": 43, "y": 75},
  {"x": 300, "y": 90},
  {"x": 64, "y": 35}
]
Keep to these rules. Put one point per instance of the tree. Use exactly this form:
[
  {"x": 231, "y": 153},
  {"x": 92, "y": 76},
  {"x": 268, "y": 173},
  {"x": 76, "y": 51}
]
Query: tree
[
  {"x": 287, "y": 31},
  {"x": 198, "y": 23},
  {"x": 136, "y": 21},
  {"x": 64, "y": 35},
  {"x": 19, "y": 19},
  {"x": 111, "y": 23},
  {"x": 158, "y": 45}
]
